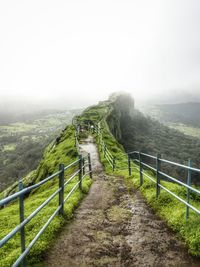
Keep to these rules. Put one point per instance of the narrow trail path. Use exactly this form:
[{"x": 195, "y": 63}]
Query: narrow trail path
[{"x": 114, "y": 227}]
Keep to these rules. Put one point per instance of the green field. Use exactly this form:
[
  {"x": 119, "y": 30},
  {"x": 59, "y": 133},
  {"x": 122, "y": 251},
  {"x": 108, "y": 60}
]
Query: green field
[
  {"x": 22, "y": 143},
  {"x": 166, "y": 206},
  {"x": 188, "y": 130},
  {"x": 9, "y": 216}
]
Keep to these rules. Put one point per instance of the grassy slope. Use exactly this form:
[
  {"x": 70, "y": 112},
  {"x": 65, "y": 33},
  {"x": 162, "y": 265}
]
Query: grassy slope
[
  {"x": 167, "y": 207},
  {"x": 64, "y": 151},
  {"x": 22, "y": 143}
]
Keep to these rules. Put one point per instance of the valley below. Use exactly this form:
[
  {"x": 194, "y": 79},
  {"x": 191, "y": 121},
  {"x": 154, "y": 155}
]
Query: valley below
[{"x": 22, "y": 142}]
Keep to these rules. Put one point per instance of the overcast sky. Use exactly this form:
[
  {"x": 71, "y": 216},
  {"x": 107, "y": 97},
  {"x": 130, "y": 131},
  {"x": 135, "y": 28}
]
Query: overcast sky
[{"x": 65, "y": 49}]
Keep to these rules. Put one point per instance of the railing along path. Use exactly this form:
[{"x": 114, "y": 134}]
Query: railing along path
[
  {"x": 81, "y": 163},
  {"x": 135, "y": 160}
]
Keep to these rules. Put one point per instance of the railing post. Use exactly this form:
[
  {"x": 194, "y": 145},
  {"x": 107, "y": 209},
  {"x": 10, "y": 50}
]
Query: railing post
[
  {"x": 93, "y": 130},
  {"x": 75, "y": 139},
  {"x": 61, "y": 186},
  {"x": 104, "y": 150},
  {"x": 101, "y": 143},
  {"x": 188, "y": 190},
  {"x": 113, "y": 165},
  {"x": 83, "y": 162},
  {"x": 140, "y": 165},
  {"x": 80, "y": 171},
  {"x": 158, "y": 168},
  {"x": 100, "y": 138},
  {"x": 90, "y": 165},
  {"x": 21, "y": 213},
  {"x": 129, "y": 165}
]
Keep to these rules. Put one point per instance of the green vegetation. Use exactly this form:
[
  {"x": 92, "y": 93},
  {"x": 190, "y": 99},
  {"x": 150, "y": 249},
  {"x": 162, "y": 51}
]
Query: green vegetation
[
  {"x": 121, "y": 125},
  {"x": 10, "y": 147},
  {"x": 167, "y": 207},
  {"x": 61, "y": 151},
  {"x": 11, "y": 250},
  {"x": 22, "y": 143},
  {"x": 173, "y": 211},
  {"x": 139, "y": 133},
  {"x": 187, "y": 130},
  {"x": 98, "y": 114}
]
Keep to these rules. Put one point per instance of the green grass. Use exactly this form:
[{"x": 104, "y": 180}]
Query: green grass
[
  {"x": 188, "y": 130},
  {"x": 10, "y": 218},
  {"x": 166, "y": 206},
  {"x": 18, "y": 127},
  {"x": 173, "y": 211},
  {"x": 22, "y": 143},
  {"x": 61, "y": 151},
  {"x": 10, "y": 147}
]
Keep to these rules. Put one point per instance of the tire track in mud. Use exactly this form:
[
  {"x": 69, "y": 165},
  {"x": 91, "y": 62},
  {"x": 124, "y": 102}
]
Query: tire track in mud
[{"x": 115, "y": 227}]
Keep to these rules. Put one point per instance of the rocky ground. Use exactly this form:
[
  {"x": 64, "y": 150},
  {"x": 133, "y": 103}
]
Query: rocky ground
[{"x": 114, "y": 227}]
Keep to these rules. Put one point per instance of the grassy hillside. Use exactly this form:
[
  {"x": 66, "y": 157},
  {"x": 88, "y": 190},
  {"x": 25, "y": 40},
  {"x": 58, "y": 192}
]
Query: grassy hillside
[
  {"x": 22, "y": 142},
  {"x": 187, "y": 130},
  {"x": 113, "y": 118},
  {"x": 61, "y": 151},
  {"x": 167, "y": 207},
  {"x": 137, "y": 132}
]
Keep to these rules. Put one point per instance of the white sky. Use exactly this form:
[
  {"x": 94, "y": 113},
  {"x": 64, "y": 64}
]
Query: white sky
[{"x": 87, "y": 49}]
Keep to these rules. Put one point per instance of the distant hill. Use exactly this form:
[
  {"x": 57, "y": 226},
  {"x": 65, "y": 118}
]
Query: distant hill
[
  {"x": 22, "y": 143},
  {"x": 137, "y": 132},
  {"x": 186, "y": 113}
]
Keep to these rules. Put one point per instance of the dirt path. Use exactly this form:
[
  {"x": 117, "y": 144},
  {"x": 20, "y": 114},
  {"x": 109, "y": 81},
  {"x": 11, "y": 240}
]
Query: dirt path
[{"x": 114, "y": 227}]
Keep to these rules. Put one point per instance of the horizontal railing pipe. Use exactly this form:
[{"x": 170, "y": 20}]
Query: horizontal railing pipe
[
  {"x": 26, "y": 190},
  {"x": 183, "y": 201},
  {"x": 180, "y": 165},
  {"x": 166, "y": 161},
  {"x": 24, "y": 254},
  {"x": 71, "y": 191},
  {"x": 28, "y": 219},
  {"x": 149, "y": 177},
  {"x": 179, "y": 182},
  {"x": 25, "y": 221},
  {"x": 148, "y": 166},
  {"x": 72, "y": 164},
  {"x": 149, "y": 156},
  {"x": 74, "y": 175}
]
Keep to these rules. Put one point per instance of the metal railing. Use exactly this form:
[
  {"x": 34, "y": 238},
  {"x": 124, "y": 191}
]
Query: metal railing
[
  {"x": 82, "y": 163},
  {"x": 159, "y": 174},
  {"x": 77, "y": 142},
  {"x": 141, "y": 166},
  {"x": 106, "y": 152},
  {"x": 97, "y": 130}
]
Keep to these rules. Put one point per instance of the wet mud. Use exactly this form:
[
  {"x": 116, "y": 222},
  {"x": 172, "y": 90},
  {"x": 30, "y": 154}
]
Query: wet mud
[{"x": 115, "y": 227}]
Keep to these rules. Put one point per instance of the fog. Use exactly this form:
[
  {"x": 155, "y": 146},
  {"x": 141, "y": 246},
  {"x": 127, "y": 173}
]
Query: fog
[{"x": 60, "y": 54}]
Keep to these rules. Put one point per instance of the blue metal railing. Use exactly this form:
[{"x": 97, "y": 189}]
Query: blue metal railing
[
  {"x": 82, "y": 163},
  {"x": 97, "y": 130},
  {"x": 106, "y": 152},
  {"x": 159, "y": 174}
]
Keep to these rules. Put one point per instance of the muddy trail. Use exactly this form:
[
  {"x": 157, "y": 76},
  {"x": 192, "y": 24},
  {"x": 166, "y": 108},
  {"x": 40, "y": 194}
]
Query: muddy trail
[{"x": 115, "y": 227}]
